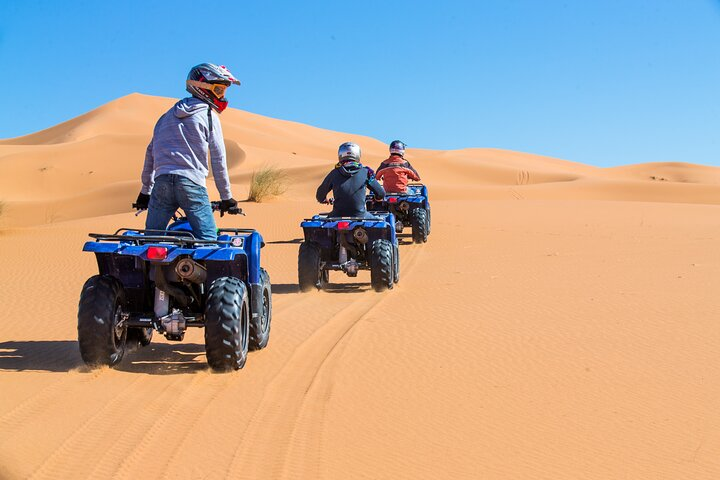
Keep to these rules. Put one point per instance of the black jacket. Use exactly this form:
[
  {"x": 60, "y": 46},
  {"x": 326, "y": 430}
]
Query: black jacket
[{"x": 348, "y": 182}]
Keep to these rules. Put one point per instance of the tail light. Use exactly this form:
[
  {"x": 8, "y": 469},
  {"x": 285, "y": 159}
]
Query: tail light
[
  {"x": 392, "y": 199},
  {"x": 343, "y": 225},
  {"x": 157, "y": 253}
]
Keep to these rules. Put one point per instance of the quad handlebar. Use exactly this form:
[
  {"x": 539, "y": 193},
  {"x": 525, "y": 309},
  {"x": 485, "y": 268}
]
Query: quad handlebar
[{"x": 216, "y": 207}]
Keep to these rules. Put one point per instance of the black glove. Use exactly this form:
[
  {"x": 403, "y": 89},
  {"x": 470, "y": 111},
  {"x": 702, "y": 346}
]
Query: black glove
[
  {"x": 226, "y": 205},
  {"x": 142, "y": 201}
]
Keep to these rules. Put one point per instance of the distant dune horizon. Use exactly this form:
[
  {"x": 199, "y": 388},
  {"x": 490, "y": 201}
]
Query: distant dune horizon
[{"x": 561, "y": 321}]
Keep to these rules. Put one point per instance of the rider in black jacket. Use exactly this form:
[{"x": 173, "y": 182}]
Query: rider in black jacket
[{"x": 348, "y": 182}]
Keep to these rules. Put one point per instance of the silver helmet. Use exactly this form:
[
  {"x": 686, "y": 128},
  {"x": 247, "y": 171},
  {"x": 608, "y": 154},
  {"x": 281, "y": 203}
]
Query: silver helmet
[{"x": 349, "y": 151}]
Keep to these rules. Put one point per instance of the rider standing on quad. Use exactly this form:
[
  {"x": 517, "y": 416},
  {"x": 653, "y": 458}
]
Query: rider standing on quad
[
  {"x": 348, "y": 181},
  {"x": 395, "y": 171},
  {"x": 176, "y": 160}
]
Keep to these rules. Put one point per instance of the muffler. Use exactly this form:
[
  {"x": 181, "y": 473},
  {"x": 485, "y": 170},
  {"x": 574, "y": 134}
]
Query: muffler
[
  {"x": 191, "y": 271},
  {"x": 360, "y": 235}
]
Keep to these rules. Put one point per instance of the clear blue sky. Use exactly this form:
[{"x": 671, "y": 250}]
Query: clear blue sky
[{"x": 604, "y": 82}]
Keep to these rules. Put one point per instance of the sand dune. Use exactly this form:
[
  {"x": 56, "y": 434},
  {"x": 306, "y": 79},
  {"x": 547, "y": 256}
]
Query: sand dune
[{"x": 560, "y": 323}]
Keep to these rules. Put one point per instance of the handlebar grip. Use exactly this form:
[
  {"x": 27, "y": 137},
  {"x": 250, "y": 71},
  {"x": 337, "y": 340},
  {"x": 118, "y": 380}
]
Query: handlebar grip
[{"x": 231, "y": 211}]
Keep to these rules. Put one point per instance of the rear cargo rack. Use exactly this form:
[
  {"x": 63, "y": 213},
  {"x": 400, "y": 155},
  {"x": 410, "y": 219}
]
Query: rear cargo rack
[
  {"x": 236, "y": 231},
  {"x": 352, "y": 219},
  {"x": 171, "y": 233},
  {"x": 175, "y": 237}
]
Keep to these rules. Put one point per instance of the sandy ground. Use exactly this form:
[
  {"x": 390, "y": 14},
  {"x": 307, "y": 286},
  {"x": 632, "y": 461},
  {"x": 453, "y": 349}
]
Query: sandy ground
[{"x": 560, "y": 323}]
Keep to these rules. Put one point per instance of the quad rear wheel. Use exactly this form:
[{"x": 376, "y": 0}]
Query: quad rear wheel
[
  {"x": 419, "y": 221},
  {"x": 102, "y": 333},
  {"x": 310, "y": 275},
  {"x": 227, "y": 324},
  {"x": 396, "y": 264},
  {"x": 381, "y": 265}
]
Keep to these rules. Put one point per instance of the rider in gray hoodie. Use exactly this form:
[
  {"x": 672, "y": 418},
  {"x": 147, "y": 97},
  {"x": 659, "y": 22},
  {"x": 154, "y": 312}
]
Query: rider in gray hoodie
[{"x": 176, "y": 160}]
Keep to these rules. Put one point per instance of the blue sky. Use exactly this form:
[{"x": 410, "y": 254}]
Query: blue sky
[{"x": 604, "y": 82}]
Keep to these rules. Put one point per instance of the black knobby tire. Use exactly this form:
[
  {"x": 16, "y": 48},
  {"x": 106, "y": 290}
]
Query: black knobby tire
[
  {"x": 309, "y": 274},
  {"x": 381, "y": 265},
  {"x": 260, "y": 324},
  {"x": 396, "y": 264},
  {"x": 101, "y": 335},
  {"x": 418, "y": 219},
  {"x": 227, "y": 324},
  {"x": 142, "y": 336}
]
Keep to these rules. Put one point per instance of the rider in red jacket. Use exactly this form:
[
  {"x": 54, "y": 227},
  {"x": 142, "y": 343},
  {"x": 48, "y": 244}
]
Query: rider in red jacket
[{"x": 395, "y": 172}]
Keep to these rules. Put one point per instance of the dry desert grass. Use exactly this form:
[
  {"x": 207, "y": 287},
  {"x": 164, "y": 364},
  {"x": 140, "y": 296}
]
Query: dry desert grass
[{"x": 267, "y": 182}]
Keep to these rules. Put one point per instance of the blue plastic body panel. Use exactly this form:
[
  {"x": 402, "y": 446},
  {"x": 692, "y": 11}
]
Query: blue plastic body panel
[
  {"x": 417, "y": 195},
  {"x": 251, "y": 244},
  {"x": 320, "y": 228}
]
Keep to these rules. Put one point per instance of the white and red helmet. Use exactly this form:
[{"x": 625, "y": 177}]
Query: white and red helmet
[{"x": 208, "y": 82}]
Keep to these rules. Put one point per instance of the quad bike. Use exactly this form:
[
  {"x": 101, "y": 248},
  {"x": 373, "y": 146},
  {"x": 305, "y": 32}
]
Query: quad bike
[
  {"x": 411, "y": 209},
  {"x": 349, "y": 244},
  {"x": 168, "y": 281}
]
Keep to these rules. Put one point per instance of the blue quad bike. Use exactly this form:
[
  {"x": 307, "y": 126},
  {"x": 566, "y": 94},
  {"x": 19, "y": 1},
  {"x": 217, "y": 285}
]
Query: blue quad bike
[
  {"x": 411, "y": 209},
  {"x": 349, "y": 244},
  {"x": 168, "y": 281}
]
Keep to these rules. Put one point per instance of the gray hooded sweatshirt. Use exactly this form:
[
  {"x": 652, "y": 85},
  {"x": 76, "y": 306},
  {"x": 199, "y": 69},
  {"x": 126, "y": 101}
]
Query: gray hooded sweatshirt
[{"x": 180, "y": 144}]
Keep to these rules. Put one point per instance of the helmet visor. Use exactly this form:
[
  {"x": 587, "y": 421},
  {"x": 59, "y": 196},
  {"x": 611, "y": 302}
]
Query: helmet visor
[{"x": 217, "y": 89}]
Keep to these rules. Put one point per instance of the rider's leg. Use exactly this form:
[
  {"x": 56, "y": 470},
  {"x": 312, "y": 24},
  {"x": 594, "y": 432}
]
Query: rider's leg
[
  {"x": 194, "y": 201},
  {"x": 162, "y": 203}
]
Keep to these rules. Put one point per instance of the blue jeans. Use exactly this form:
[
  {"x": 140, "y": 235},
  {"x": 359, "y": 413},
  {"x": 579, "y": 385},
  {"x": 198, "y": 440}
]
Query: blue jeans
[{"x": 175, "y": 191}]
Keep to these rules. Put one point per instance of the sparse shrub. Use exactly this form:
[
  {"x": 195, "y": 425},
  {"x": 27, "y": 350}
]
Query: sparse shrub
[{"x": 267, "y": 182}]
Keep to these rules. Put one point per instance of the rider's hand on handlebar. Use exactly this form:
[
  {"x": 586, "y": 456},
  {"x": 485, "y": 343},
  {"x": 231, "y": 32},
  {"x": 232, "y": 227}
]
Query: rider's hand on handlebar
[
  {"x": 142, "y": 202},
  {"x": 227, "y": 205}
]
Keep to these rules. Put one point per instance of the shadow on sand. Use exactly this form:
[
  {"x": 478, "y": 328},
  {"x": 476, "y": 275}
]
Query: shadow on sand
[
  {"x": 64, "y": 355},
  {"x": 287, "y": 288}
]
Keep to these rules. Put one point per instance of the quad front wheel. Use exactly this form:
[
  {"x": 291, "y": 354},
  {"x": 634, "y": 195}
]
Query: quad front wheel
[{"x": 260, "y": 321}]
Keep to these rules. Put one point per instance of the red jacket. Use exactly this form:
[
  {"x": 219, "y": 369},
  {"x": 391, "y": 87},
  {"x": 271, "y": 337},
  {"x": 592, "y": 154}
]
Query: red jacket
[{"x": 395, "y": 172}]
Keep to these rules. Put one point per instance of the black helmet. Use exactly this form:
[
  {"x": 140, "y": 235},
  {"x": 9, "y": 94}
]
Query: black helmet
[
  {"x": 208, "y": 82},
  {"x": 397, "y": 147}
]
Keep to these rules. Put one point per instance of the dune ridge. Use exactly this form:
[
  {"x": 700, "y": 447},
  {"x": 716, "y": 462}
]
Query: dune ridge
[{"x": 103, "y": 150}]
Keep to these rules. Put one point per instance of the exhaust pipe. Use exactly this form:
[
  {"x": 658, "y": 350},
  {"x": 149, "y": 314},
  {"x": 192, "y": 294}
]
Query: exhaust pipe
[
  {"x": 191, "y": 271},
  {"x": 360, "y": 235}
]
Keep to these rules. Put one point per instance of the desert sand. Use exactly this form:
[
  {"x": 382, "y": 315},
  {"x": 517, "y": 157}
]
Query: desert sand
[{"x": 561, "y": 322}]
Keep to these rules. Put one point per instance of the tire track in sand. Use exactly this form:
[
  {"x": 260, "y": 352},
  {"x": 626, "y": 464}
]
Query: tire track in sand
[
  {"x": 284, "y": 435},
  {"x": 306, "y": 445},
  {"x": 68, "y": 460}
]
